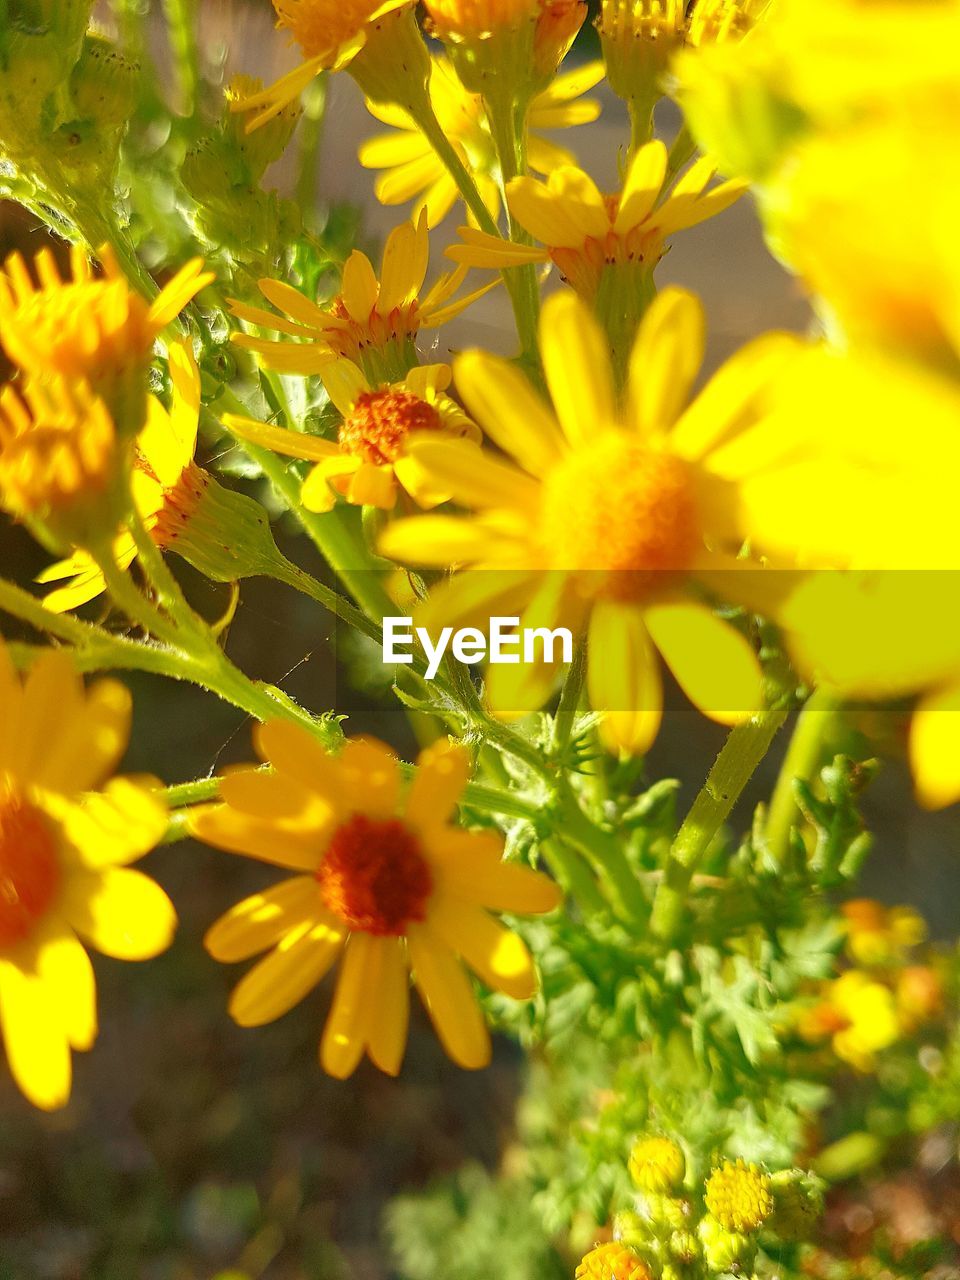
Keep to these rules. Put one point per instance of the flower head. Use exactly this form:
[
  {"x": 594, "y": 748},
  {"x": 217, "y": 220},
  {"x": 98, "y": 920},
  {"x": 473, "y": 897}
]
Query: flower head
[
  {"x": 411, "y": 167},
  {"x": 612, "y": 1262},
  {"x": 605, "y": 516},
  {"x": 94, "y": 328},
  {"x": 879, "y": 935},
  {"x": 738, "y": 1195},
  {"x": 167, "y": 485},
  {"x": 463, "y": 19},
  {"x": 859, "y": 1017},
  {"x": 59, "y": 456},
  {"x": 377, "y": 40},
  {"x": 383, "y": 882},
  {"x": 657, "y": 1164},
  {"x": 66, "y": 839},
  {"x": 585, "y": 233},
  {"x": 372, "y": 321},
  {"x": 371, "y": 457}
]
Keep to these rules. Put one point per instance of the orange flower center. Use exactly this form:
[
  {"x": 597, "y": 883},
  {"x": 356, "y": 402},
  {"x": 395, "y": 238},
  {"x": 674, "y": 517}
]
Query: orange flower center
[
  {"x": 180, "y": 503},
  {"x": 623, "y": 510},
  {"x": 377, "y": 428},
  {"x": 29, "y": 870},
  {"x": 321, "y": 26},
  {"x": 374, "y": 876}
]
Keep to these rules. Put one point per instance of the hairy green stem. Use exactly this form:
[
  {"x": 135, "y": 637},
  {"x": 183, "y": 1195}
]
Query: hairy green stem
[
  {"x": 746, "y": 746},
  {"x": 803, "y": 756}
]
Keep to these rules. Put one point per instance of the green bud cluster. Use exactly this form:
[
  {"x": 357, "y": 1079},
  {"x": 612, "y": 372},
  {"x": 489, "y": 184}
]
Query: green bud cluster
[{"x": 685, "y": 1230}]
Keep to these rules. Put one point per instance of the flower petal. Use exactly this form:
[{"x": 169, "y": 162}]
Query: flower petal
[
  {"x": 300, "y": 960},
  {"x": 259, "y": 921},
  {"x": 295, "y": 847},
  {"x": 665, "y": 360},
  {"x": 502, "y": 401},
  {"x": 712, "y": 662},
  {"x": 387, "y": 1036},
  {"x": 449, "y": 999},
  {"x": 935, "y": 748},
  {"x": 497, "y": 956},
  {"x": 577, "y": 367},
  {"x": 38, "y": 1049},
  {"x": 354, "y": 1005},
  {"x": 64, "y": 967},
  {"x": 122, "y": 913},
  {"x": 623, "y": 678},
  {"x": 443, "y": 771}
]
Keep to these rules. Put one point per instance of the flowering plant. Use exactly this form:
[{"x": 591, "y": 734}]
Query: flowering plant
[{"x": 576, "y": 533}]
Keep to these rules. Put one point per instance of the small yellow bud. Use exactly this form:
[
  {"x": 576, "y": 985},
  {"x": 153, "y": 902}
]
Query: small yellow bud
[
  {"x": 723, "y": 1249},
  {"x": 798, "y": 1203},
  {"x": 657, "y": 1164},
  {"x": 738, "y": 1195}
]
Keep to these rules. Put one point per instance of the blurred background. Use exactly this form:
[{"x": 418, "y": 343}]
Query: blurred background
[{"x": 194, "y": 1149}]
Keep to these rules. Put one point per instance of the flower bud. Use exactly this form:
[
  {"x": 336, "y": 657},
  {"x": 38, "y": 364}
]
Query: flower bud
[
  {"x": 722, "y": 1249},
  {"x": 738, "y": 1195},
  {"x": 657, "y": 1164},
  {"x": 267, "y": 144},
  {"x": 612, "y": 1262},
  {"x": 797, "y": 1204}
]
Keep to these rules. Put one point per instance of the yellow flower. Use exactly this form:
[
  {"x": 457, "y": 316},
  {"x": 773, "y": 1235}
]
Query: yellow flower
[
  {"x": 89, "y": 327},
  {"x": 738, "y": 1195},
  {"x": 463, "y": 19},
  {"x": 58, "y": 456},
  {"x": 858, "y": 1015},
  {"x": 372, "y": 321},
  {"x": 607, "y": 517},
  {"x": 379, "y": 44},
  {"x": 640, "y": 38},
  {"x": 412, "y": 168},
  {"x": 919, "y": 996},
  {"x": 371, "y": 456},
  {"x": 166, "y": 482},
  {"x": 64, "y": 850},
  {"x": 879, "y": 935},
  {"x": 612, "y": 1262},
  {"x": 383, "y": 882},
  {"x": 586, "y": 234},
  {"x": 657, "y": 1164}
]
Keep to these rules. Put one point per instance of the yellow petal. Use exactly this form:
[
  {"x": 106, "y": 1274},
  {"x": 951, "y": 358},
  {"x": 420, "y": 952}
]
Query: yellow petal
[
  {"x": 345, "y": 383},
  {"x": 65, "y": 969},
  {"x": 354, "y": 1004},
  {"x": 471, "y": 866},
  {"x": 581, "y": 201},
  {"x": 473, "y": 477},
  {"x": 502, "y": 401},
  {"x": 117, "y": 825},
  {"x": 387, "y": 1036},
  {"x": 443, "y": 771},
  {"x": 259, "y": 921},
  {"x": 293, "y": 846},
  {"x": 498, "y": 957},
  {"x": 300, "y": 960},
  {"x": 544, "y": 214},
  {"x": 449, "y": 999},
  {"x": 90, "y": 742},
  {"x": 434, "y": 540},
  {"x": 36, "y": 1041},
  {"x": 642, "y": 186},
  {"x": 397, "y": 282},
  {"x": 623, "y": 678},
  {"x": 666, "y": 359},
  {"x": 577, "y": 367},
  {"x": 359, "y": 289},
  {"x": 292, "y": 444},
  {"x": 294, "y": 751},
  {"x": 370, "y": 778},
  {"x": 712, "y": 662},
  {"x": 122, "y": 913},
  {"x": 935, "y": 748},
  {"x": 271, "y": 796}
]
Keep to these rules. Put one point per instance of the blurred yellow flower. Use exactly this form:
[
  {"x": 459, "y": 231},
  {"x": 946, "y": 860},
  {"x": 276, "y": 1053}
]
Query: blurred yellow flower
[
  {"x": 586, "y": 234},
  {"x": 166, "y": 483},
  {"x": 461, "y": 19},
  {"x": 879, "y": 936},
  {"x": 59, "y": 455},
  {"x": 383, "y": 882},
  {"x": 377, "y": 40},
  {"x": 657, "y": 1165},
  {"x": 605, "y": 517},
  {"x": 64, "y": 850},
  {"x": 412, "y": 168},
  {"x": 372, "y": 321},
  {"x": 371, "y": 456},
  {"x": 89, "y": 327},
  {"x": 859, "y": 1017},
  {"x": 612, "y": 1262}
]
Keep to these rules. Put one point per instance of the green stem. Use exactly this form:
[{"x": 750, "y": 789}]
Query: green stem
[
  {"x": 570, "y": 694},
  {"x": 641, "y": 122},
  {"x": 803, "y": 756},
  {"x": 574, "y": 876},
  {"x": 605, "y": 854},
  {"x": 181, "y": 18},
  {"x": 746, "y": 746}
]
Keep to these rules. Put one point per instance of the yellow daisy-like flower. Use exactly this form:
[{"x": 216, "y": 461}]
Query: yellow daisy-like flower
[
  {"x": 606, "y": 518},
  {"x": 65, "y": 846},
  {"x": 376, "y": 40},
  {"x": 371, "y": 458},
  {"x": 585, "y": 233},
  {"x": 411, "y": 166},
  {"x": 859, "y": 1017},
  {"x": 384, "y": 883},
  {"x": 612, "y": 1261},
  {"x": 879, "y": 935},
  {"x": 167, "y": 485},
  {"x": 58, "y": 455},
  {"x": 372, "y": 321},
  {"x": 89, "y": 327},
  {"x": 739, "y": 1196},
  {"x": 657, "y": 1165}
]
